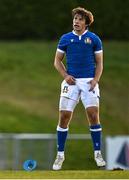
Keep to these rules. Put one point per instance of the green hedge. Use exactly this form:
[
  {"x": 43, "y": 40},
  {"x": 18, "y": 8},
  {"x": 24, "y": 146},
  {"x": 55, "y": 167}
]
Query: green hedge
[{"x": 48, "y": 19}]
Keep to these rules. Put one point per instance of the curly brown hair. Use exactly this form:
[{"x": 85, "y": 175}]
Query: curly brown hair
[{"x": 89, "y": 18}]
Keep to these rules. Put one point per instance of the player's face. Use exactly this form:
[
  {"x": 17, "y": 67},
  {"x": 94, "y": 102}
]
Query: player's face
[{"x": 79, "y": 24}]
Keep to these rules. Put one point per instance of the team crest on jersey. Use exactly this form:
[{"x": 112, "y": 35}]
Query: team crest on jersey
[{"x": 88, "y": 40}]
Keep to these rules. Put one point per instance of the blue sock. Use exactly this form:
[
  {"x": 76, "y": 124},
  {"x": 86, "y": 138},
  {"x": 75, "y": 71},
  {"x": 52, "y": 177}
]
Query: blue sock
[
  {"x": 96, "y": 136},
  {"x": 61, "y": 138}
]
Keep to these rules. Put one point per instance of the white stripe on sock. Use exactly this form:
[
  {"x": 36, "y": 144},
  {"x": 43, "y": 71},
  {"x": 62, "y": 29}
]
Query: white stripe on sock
[
  {"x": 61, "y": 129},
  {"x": 95, "y": 130}
]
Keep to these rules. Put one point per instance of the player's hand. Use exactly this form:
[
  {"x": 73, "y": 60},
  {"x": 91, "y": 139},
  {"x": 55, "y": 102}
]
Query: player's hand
[
  {"x": 70, "y": 80},
  {"x": 92, "y": 83}
]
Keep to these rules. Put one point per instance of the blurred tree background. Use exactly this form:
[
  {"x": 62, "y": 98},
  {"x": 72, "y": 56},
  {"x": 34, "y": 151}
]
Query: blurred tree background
[{"x": 48, "y": 19}]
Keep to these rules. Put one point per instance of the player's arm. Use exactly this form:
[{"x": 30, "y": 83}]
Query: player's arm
[
  {"x": 61, "y": 68},
  {"x": 59, "y": 65},
  {"x": 99, "y": 65},
  {"x": 98, "y": 71}
]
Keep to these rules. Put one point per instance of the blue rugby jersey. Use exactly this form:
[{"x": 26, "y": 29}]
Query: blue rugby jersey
[{"x": 80, "y": 53}]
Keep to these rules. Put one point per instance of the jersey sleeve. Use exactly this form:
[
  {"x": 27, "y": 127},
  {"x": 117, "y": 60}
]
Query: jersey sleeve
[
  {"x": 62, "y": 45},
  {"x": 98, "y": 45}
]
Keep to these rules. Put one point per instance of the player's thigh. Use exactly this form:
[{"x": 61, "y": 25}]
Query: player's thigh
[
  {"x": 66, "y": 104},
  {"x": 70, "y": 91},
  {"x": 90, "y": 98}
]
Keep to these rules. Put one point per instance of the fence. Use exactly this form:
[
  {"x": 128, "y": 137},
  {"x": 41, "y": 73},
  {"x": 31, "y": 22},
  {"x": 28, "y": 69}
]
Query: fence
[{"x": 16, "y": 148}]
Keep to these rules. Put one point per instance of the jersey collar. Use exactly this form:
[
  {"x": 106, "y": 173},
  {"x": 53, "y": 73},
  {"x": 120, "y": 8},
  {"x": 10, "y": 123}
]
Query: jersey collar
[{"x": 81, "y": 34}]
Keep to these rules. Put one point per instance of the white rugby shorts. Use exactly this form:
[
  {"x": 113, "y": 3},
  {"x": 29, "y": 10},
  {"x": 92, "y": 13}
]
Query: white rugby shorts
[{"x": 71, "y": 94}]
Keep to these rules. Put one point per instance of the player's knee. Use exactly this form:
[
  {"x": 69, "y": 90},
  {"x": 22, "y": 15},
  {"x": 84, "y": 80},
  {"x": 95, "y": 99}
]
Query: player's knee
[
  {"x": 65, "y": 116},
  {"x": 93, "y": 116},
  {"x": 64, "y": 119}
]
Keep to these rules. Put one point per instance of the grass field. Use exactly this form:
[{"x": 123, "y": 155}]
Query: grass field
[
  {"x": 29, "y": 89},
  {"x": 101, "y": 174},
  {"x": 29, "y": 94}
]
